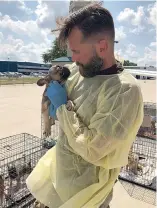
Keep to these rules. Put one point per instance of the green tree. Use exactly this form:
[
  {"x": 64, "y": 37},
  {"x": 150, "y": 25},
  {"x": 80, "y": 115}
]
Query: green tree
[
  {"x": 53, "y": 53},
  {"x": 128, "y": 63}
]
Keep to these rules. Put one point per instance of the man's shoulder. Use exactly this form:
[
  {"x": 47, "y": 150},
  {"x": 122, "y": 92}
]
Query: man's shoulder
[
  {"x": 122, "y": 84},
  {"x": 129, "y": 83},
  {"x": 128, "y": 79}
]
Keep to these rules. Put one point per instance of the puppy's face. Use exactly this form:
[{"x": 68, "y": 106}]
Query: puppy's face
[
  {"x": 56, "y": 73},
  {"x": 53, "y": 75}
]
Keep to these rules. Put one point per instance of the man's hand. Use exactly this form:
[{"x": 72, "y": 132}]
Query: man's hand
[
  {"x": 57, "y": 94},
  {"x": 70, "y": 105}
]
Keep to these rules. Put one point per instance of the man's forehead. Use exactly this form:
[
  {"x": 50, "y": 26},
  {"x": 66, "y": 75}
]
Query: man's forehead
[{"x": 75, "y": 37}]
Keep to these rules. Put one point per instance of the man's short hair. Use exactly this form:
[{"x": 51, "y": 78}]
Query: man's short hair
[{"x": 90, "y": 20}]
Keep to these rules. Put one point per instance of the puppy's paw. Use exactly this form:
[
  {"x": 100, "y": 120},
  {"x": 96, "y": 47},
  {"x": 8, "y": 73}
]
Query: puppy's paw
[
  {"x": 52, "y": 121},
  {"x": 47, "y": 131},
  {"x": 70, "y": 105}
]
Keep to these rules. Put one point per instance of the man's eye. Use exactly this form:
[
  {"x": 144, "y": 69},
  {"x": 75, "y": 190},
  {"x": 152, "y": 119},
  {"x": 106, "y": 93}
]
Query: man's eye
[{"x": 76, "y": 52}]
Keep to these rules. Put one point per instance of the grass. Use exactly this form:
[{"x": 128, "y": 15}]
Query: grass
[{"x": 20, "y": 80}]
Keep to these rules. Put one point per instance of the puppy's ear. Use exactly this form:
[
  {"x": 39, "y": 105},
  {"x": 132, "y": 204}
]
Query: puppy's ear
[{"x": 41, "y": 82}]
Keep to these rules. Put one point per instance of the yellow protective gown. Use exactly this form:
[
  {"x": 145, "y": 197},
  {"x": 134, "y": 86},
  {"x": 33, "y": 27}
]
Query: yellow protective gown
[{"x": 93, "y": 142}]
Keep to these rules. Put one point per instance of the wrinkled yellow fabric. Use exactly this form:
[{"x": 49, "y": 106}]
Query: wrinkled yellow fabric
[{"x": 93, "y": 142}]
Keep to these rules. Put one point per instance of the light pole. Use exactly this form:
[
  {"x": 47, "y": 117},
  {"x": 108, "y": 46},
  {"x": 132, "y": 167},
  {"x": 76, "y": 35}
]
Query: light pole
[
  {"x": 8, "y": 64},
  {"x": 116, "y": 41}
]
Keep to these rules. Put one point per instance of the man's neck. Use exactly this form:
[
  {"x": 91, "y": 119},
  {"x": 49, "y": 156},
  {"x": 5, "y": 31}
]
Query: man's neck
[{"x": 108, "y": 63}]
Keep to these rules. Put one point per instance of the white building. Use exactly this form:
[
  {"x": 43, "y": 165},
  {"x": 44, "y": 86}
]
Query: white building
[{"x": 76, "y": 5}]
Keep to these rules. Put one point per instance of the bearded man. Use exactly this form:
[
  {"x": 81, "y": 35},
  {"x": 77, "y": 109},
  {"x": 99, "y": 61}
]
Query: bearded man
[{"x": 95, "y": 138}]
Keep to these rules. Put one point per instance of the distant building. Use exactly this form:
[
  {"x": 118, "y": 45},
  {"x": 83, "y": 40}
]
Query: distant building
[
  {"x": 29, "y": 67},
  {"x": 76, "y": 5},
  {"x": 23, "y": 67}
]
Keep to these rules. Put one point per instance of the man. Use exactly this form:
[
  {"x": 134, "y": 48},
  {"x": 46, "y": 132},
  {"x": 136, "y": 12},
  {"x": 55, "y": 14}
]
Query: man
[{"x": 95, "y": 138}]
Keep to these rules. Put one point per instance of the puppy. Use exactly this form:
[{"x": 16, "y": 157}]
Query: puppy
[
  {"x": 56, "y": 73},
  {"x": 16, "y": 172},
  {"x": 133, "y": 164}
]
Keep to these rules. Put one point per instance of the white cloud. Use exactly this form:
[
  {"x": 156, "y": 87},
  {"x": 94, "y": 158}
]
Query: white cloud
[
  {"x": 22, "y": 6},
  {"x": 152, "y": 9},
  {"x": 148, "y": 58},
  {"x": 153, "y": 44},
  {"x": 137, "y": 30},
  {"x": 132, "y": 51},
  {"x": 135, "y": 18},
  {"x": 28, "y": 39},
  {"x": 1, "y": 36},
  {"x": 16, "y": 49},
  {"x": 47, "y": 11},
  {"x": 128, "y": 52},
  {"x": 139, "y": 19},
  {"x": 32, "y": 41},
  {"x": 119, "y": 33},
  {"x": 16, "y": 8},
  {"x": 28, "y": 28}
]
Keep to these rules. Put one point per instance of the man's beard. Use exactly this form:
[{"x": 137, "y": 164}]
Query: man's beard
[{"x": 92, "y": 68}]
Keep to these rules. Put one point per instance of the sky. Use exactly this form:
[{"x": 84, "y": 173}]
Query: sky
[{"x": 25, "y": 29}]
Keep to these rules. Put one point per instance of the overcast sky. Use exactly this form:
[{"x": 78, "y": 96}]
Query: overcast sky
[{"x": 25, "y": 28}]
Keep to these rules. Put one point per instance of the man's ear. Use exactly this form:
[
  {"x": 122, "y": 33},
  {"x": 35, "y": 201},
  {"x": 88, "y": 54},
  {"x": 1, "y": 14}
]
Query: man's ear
[
  {"x": 101, "y": 48},
  {"x": 41, "y": 82}
]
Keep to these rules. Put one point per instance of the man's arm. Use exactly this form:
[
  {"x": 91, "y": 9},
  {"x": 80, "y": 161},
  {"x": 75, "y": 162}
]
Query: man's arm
[{"x": 108, "y": 132}]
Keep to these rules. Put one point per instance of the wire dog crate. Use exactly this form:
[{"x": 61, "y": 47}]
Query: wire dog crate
[
  {"x": 141, "y": 168},
  {"x": 150, "y": 108},
  {"x": 18, "y": 156}
]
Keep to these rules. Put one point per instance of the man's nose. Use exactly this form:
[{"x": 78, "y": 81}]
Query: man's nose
[{"x": 74, "y": 58}]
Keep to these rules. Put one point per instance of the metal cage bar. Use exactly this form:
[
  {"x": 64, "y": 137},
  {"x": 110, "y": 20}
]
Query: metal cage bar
[{"x": 18, "y": 156}]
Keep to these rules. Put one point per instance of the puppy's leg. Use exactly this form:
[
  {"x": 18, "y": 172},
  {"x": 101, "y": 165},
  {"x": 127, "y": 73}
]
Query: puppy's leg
[
  {"x": 45, "y": 113},
  {"x": 10, "y": 189},
  {"x": 52, "y": 121},
  {"x": 134, "y": 169},
  {"x": 127, "y": 167},
  {"x": 47, "y": 124}
]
